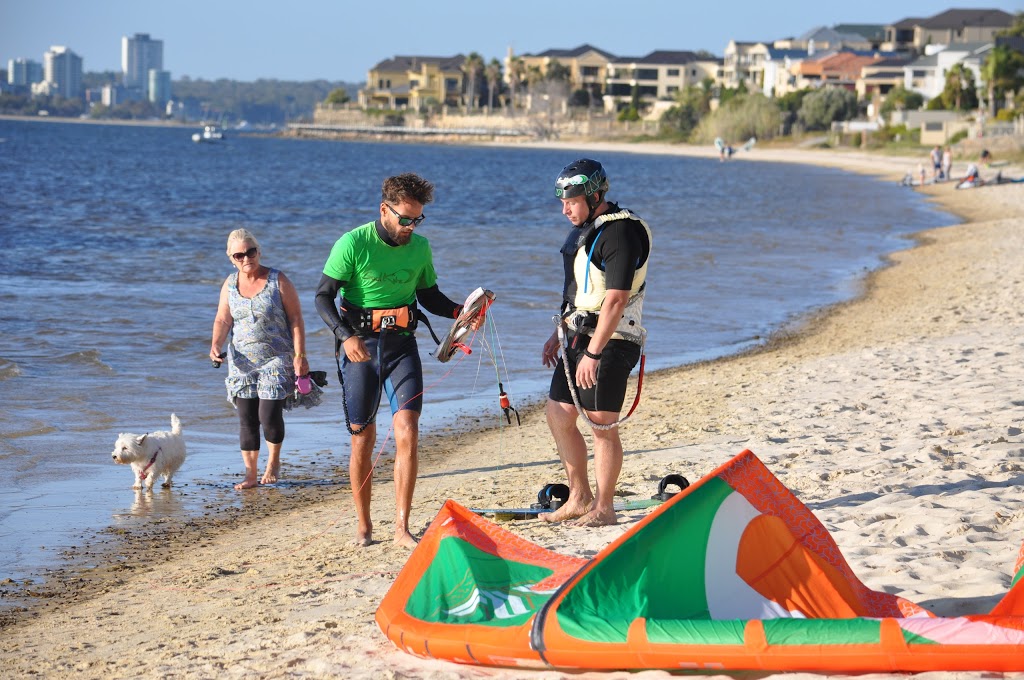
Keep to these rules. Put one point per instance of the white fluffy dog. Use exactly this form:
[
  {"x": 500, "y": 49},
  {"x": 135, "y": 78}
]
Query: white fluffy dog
[{"x": 152, "y": 454}]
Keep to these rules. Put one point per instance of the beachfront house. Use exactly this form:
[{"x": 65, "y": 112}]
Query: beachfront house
[
  {"x": 780, "y": 64},
  {"x": 842, "y": 69},
  {"x": 927, "y": 74},
  {"x": 584, "y": 67},
  {"x": 657, "y": 77},
  {"x": 743, "y": 63},
  {"x": 954, "y": 26},
  {"x": 878, "y": 77},
  {"x": 414, "y": 82}
]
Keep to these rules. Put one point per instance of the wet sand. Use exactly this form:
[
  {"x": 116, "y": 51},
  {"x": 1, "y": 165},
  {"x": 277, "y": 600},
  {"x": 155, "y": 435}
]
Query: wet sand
[{"x": 896, "y": 418}]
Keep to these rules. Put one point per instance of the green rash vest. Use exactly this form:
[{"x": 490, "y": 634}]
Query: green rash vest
[{"x": 379, "y": 276}]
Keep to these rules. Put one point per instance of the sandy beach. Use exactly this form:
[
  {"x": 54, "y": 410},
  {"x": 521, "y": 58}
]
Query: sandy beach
[{"x": 896, "y": 418}]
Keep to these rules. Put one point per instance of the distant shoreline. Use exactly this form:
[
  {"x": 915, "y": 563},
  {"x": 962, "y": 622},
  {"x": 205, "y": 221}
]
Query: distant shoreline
[{"x": 100, "y": 121}]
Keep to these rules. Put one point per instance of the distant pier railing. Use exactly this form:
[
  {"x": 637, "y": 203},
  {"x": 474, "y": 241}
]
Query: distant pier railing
[{"x": 403, "y": 131}]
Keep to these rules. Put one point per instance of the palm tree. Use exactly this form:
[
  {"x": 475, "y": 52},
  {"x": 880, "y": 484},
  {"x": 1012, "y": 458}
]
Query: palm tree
[
  {"x": 516, "y": 74},
  {"x": 493, "y": 75},
  {"x": 472, "y": 67},
  {"x": 558, "y": 71},
  {"x": 958, "y": 79},
  {"x": 1000, "y": 72}
]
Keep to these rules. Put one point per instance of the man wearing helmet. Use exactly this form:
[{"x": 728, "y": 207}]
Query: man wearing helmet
[{"x": 605, "y": 259}]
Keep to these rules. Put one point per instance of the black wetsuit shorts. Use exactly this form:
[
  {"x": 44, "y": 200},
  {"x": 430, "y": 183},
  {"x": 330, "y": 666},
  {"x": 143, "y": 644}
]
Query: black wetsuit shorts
[
  {"x": 617, "y": 361},
  {"x": 402, "y": 374}
]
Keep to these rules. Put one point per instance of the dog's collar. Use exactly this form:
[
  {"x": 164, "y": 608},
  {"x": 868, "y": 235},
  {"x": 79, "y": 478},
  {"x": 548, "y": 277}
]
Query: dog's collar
[{"x": 145, "y": 470}]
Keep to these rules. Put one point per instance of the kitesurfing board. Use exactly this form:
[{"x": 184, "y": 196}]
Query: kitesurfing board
[
  {"x": 478, "y": 301},
  {"x": 504, "y": 514}
]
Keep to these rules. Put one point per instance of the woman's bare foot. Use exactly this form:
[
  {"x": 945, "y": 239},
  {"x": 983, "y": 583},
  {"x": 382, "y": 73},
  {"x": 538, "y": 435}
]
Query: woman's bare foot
[
  {"x": 271, "y": 474},
  {"x": 405, "y": 539},
  {"x": 247, "y": 483},
  {"x": 595, "y": 518},
  {"x": 571, "y": 510}
]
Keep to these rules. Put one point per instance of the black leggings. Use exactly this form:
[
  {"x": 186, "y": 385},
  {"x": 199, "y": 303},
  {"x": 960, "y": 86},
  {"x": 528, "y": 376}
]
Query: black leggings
[{"x": 255, "y": 412}]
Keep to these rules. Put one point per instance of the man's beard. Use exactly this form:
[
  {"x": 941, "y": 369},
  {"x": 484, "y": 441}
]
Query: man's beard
[{"x": 399, "y": 235}]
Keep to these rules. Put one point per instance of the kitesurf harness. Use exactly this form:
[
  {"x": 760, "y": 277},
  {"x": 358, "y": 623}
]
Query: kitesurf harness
[
  {"x": 581, "y": 316},
  {"x": 405, "y": 319}
]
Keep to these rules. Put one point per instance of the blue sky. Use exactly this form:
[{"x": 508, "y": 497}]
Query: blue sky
[{"x": 341, "y": 39}]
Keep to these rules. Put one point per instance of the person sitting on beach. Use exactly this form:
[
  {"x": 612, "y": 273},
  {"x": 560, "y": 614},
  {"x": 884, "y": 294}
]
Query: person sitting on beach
[
  {"x": 381, "y": 270},
  {"x": 973, "y": 175},
  {"x": 260, "y": 310},
  {"x": 605, "y": 257}
]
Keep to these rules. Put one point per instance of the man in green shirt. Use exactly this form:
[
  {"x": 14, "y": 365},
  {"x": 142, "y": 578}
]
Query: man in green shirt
[{"x": 381, "y": 270}]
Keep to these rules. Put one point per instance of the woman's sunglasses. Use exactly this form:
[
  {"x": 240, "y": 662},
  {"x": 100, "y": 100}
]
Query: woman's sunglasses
[
  {"x": 251, "y": 253},
  {"x": 406, "y": 221}
]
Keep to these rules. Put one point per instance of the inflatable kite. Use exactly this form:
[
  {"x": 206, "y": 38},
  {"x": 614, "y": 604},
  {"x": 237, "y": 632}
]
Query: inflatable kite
[{"x": 733, "y": 573}]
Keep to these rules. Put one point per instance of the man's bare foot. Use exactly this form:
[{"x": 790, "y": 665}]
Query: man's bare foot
[
  {"x": 247, "y": 483},
  {"x": 270, "y": 476},
  {"x": 405, "y": 540},
  {"x": 364, "y": 537},
  {"x": 570, "y": 510},
  {"x": 595, "y": 518}
]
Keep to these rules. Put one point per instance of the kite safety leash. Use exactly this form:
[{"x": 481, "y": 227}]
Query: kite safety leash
[{"x": 574, "y": 391}]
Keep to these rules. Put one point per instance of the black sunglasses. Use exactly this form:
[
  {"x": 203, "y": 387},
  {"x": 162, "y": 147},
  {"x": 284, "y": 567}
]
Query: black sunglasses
[
  {"x": 406, "y": 221},
  {"x": 251, "y": 253}
]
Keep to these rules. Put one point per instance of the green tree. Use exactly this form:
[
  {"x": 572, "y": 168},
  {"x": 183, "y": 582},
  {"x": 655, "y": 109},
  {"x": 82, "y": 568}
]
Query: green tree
[
  {"x": 692, "y": 104},
  {"x": 960, "y": 92},
  {"x": 516, "y": 76},
  {"x": 558, "y": 71},
  {"x": 628, "y": 114},
  {"x": 133, "y": 110},
  {"x": 742, "y": 117},
  {"x": 338, "y": 95},
  {"x": 900, "y": 98},
  {"x": 472, "y": 67},
  {"x": 727, "y": 93},
  {"x": 493, "y": 75},
  {"x": 91, "y": 79},
  {"x": 580, "y": 98},
  {"x": 820, "y": 108},
  {"x": 1002, "y": 73},
  {"x": 789, "y": 106},
  {"x": 262, "y": 101},
  {"x": 680, "y": 120}
]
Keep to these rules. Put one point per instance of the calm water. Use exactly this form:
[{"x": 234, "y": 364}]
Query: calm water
[{"x": 112, "y": 255}]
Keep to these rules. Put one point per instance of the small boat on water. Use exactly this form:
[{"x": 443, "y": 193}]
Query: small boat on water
[{"x": 210, "y": 133}]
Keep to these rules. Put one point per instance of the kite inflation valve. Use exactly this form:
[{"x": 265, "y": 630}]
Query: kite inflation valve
[
  {"x": 551, "y": 497},
  {"x": 677, "y": 480},
  {"x": 506, "y": 406}
]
